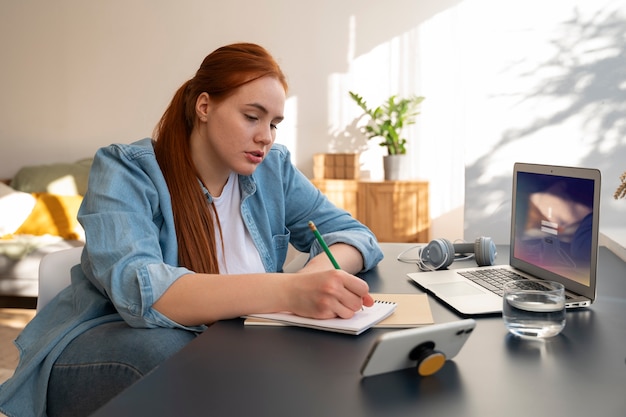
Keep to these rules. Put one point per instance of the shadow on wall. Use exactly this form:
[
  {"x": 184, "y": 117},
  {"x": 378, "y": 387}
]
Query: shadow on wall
[{"x": 591, "y": 62}]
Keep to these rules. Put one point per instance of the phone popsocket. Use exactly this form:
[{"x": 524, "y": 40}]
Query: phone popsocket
[
  {"x": 427, "y": 358},
  {"x": 425, "y": 348}
]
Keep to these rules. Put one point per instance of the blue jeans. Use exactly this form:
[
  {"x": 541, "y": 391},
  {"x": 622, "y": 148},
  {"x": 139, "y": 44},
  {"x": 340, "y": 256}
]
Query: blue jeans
[{"x": 105, "y": 360}]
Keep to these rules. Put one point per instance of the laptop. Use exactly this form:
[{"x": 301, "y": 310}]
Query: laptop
[{"x": 554, "y": 236}]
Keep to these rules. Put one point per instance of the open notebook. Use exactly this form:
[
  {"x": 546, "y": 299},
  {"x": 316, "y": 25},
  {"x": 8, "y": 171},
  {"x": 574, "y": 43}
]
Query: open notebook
[
  {"x": 390, "y": 311},
  {"x": 361, "y": 321}
]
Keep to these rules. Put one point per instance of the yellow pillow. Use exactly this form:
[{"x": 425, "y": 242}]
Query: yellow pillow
[{"x": 53, "y": 214}]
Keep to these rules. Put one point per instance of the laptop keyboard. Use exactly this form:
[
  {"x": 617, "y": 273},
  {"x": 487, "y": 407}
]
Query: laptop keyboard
[{"x": 494, "y": 279}]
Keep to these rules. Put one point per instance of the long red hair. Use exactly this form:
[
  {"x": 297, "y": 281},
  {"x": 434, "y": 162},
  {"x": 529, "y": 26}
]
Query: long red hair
[{"x": 221, "y": 73}]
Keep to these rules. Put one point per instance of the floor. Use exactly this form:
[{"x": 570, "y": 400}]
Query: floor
[{"x": 12, "y": 321}]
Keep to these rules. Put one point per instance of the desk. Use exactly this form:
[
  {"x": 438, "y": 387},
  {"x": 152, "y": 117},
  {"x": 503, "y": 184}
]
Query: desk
[{"x": 231, "y": 370}]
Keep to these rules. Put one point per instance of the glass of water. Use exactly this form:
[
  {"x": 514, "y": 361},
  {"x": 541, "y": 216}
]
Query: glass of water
[{"x": 534, "y": 308}]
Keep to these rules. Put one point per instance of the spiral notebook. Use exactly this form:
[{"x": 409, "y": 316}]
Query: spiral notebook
[{"x": 361, "y": 321}]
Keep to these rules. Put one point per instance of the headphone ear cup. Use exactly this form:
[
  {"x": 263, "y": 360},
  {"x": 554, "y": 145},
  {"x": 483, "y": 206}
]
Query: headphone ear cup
[
  {"x": 439, "y": 253},
  {"x": 485, "y": 251},
  {"x": 450, "y": 253}
]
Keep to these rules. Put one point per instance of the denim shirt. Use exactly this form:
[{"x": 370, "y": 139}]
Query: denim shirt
[{"x": 131, "y": 255}]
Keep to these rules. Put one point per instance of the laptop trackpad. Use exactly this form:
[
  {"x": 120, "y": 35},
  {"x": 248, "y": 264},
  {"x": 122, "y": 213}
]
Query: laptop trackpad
[{"x": 454, "y": 289}]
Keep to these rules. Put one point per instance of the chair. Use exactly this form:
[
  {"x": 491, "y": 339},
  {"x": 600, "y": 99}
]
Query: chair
[{"x": 54, "y": 273}]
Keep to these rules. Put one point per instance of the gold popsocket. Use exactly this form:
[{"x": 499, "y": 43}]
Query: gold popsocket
[{"x": 428, "y": 359}]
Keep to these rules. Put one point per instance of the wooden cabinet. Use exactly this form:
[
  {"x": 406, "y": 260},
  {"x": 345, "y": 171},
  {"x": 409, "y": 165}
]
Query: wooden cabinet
[
  {"x": 396, "y": 211},
  {"x": 343, "y": 193}
]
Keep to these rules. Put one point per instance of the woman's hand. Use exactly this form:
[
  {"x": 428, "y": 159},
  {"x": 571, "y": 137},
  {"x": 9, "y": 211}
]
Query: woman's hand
[{"x": 327, "y": 294}]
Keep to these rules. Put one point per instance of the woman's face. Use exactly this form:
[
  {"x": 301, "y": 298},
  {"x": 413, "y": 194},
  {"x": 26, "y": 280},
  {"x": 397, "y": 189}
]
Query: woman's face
[{"x": 237, "y": 133}]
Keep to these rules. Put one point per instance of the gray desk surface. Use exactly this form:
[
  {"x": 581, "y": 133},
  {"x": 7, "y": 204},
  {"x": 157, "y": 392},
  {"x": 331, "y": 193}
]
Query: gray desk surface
[{"x": 231, "y": 370}]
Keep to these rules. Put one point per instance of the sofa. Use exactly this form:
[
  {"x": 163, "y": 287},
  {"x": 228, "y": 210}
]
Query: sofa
[{"x": 38, "y": 209}]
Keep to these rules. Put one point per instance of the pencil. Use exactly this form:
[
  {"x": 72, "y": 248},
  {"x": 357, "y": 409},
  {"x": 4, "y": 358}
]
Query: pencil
[{"x": 320, "y": 239}]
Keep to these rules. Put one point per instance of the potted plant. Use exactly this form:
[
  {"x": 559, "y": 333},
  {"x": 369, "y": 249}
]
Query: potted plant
[{"x": 387, "y": 122}]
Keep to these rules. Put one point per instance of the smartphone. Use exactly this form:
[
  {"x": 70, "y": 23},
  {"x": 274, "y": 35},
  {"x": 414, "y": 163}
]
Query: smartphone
[{"x": 406, "y": 348}]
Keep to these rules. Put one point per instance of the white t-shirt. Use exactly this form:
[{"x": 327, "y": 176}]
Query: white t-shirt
[{"x": 240, "y": 254}]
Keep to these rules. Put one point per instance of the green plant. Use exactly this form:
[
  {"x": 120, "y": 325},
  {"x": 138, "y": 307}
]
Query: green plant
[{"x": 388, "y": 120}]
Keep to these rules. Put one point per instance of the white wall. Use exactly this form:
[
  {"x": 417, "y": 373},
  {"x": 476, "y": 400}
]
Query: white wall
[
  {"x": 544, "y": 84},
  {"x": 79, "y": 75}
]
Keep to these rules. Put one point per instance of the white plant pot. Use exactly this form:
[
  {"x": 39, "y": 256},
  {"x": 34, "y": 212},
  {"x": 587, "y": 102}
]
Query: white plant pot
[{"x": 396, "y": 167}]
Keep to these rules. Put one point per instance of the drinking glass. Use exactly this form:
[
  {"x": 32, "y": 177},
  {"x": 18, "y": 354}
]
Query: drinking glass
[{"x": 534, "y": 308}]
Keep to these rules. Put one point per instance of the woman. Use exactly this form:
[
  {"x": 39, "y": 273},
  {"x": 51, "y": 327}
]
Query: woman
[{"x": 184, "y": 230}]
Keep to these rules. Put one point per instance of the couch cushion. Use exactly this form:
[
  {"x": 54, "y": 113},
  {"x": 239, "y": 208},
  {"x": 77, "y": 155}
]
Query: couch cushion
[
  {"x": 59, "y": 178},
  {"x": 54, "y": 215},
  {"x": 14, "y": 208}
]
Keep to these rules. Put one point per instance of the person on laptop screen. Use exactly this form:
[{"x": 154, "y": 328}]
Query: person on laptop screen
[{"x": 556, "y": 218}]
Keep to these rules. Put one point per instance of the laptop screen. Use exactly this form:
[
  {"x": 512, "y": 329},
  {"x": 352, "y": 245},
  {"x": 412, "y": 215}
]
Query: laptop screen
[{"x": 555, "y": 222}]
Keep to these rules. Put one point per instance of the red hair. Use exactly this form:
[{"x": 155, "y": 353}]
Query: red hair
[{"x": 221, "y": 73}]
